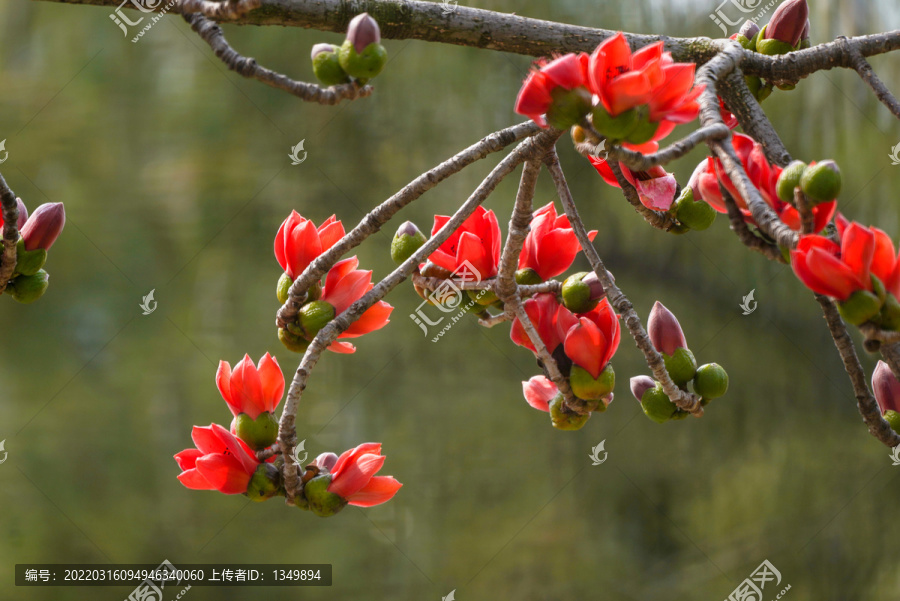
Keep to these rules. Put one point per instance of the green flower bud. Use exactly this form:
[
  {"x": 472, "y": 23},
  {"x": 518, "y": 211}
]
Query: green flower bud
[
  {"x": 314, "y": 316},
  {"x": 29, "y": 288},
  {"x": 258, "y": 434},
  {"x": 431, "y": 270},
  {"x": 681, "y": 365},
  {"x": 406, "y": 242},
  {"x": 576, "y": 294},
  {"x": 788, "y": 180},
  {"x": 821, "y": 182},
  {"x": 265, "y": 483},
  {"x": 893, "y": 420},
  {"x": 711, "y": 381},
  {"x": 657, "y": 406},
  {"x": 764, "y": 92},
  {"x": 327, "y": 65},
  {"x": 889, "y": 318},
  {"x": 528, "y": 277},
  {"x": 292, "y": 342},
  {"x": 569, "y": 107},
  {"x": 584, "y": 386},
  {"x": 694, "y": 214},
  {"x": 321, "y": 502},
  {"x": 29, "y": 262},
  {"x": 860, "y": 307},
  {"x": 363, "y": 65},
  {"x": 563, "y": 419},
  {"x": 284, "y": 285},
  {"x": 615, "y": 128},
  {"x": 482, "y": 298},
  {"x": 680, "y": 415},
  {"x": 772, "y": 47}
]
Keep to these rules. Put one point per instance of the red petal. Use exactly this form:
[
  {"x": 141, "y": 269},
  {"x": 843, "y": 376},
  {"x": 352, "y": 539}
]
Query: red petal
[
  {"x": 223, "y": 383},
  {"x": 187, "y": 459},
  {"x": 564, "y": 71},
  {"x": 627, "y": 91},
  {"x": 330, "y": 232},
  {"x": 194, "y": 480},
  {"x": 539, "y": 391},
  {"x": 355, "y": 475},
  {"x": 610, "y": 59},
  {"x": 224, "y": 473},
  {"x": 351, "y": 455},
  {"x": 272, "y": 381},
  {"x": 585, "y": 345},
  {"x": 375, "y": 318},
  {"x": 834, "y": 277},
  {"x": 246, "y": 388},
  {"x": 301, "y": 247},
  {"x": 857, "y": 249},
  {"x": 380, "y": 489},
  {"x": 534, "y": 97}
]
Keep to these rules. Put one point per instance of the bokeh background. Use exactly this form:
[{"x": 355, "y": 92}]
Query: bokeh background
[{"x": 175, "y": 176}]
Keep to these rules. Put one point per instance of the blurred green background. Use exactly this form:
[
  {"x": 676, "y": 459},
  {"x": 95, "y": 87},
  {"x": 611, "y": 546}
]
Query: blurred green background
[{"x": 175, "y": 176}]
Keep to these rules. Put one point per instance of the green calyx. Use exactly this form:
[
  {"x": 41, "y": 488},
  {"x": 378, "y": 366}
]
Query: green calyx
[
  {"x": 321, "y": 502},
  {"x": 563, "y": 419},
  {"x": 616, "y": 128},
  {"x": 889, "y": 318},
  {"x": 29, "y": 262},
  {"x": 403, "y": 246},
  {"x": 821, "y": 182},
  {"x": 576, "y": 295},
  {"x": 569, "y": 107},
  {"x": 259, "y": 433},
  {"x": 584, "y": 386},
  {"x": 265, "y": 483},
  {"x": 657, "y": 406},
  {"x": 364, "y": 65},
  {"x": 694, "y": 214},
  {"x": 28, "y": 288},
  {"x": 681, "y": 365},
  {"x": 893, "y": 420},
  {"x": 292, "y": 342},
  {"x": 645, "y": 129},
  {"x": 314, "y": 316},
  {"x": 328, "y": 70},
  {"x": 860, "y": 307},
  {"x": 711, "y": 381},
  {"x": 528, "y": 277},
  {"x": 283, "y": 287},
  {"x": 789, "y": 180},
  {"x": 773, "y": 47},
  {"x": 482, "y": 298}
]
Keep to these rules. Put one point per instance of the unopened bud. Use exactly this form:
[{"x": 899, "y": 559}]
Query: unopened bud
[
  {"x": 44, "y": 226},
  {"x": 325, "y": 462},
  {"x": 363, "y": 30},
  {"x": 265, "y": 483},
  {"x": 362, "y": 55},
  {"x": 711, "y": 381},
  {"x": 788, "y": 22},
  {"x": 327, "y": 65},
  {"x": 886, "y": 388},
  {"x": 640, "y": 385},
  {"x": 259, "y": 433},
  {"x": 789, "y": 180},
  {"x": 29, "y": 288},
  {"x": 664, "y": 330},
  {"x": 321, "y": 502},
  {"x": 406, "y": 242},
  {"x": 749, "y": 29},
  {"x": 821, "y": 182}
]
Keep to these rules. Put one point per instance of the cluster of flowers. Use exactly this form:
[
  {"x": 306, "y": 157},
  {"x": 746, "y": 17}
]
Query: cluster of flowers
[
  {"x": 227, "y": 461},
  {"x": 297, "y": 244},
  {"x": 37, "y": 234},
  {"x": 360, "y": 57}
]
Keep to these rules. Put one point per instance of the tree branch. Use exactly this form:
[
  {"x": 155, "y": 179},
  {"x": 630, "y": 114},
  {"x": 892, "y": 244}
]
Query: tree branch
[{"x": 10, "y": 233}]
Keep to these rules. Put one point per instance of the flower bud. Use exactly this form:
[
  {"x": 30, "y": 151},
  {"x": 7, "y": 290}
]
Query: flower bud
[
  {"x": 362, "y": 55},
  {"x": 860, "y": 307},
  {"x": 292, "y": 342},
  {"x": 44, "y": 226},
  {"x": 640, "y": 385},
  {"x": 282, "y": 290},
  {"x": 664, "y": 330},
  {"x": 321, "y": 502},
  {"x": 789, "y": 180},
  {"x": 265, "y": 483},
  {"x": 563, "y": 419},
  {"x": 29, "y": 288},
  {"x": 584, "y": 386},
  {"x": 692, "y": 211},
  {"x": 325, "y": 462},
  {"x": 327, "y": 65},
  {"x": 804, "y": 37},
  {"x": 528, "y": 277},
  {"x": 314, "y": 316},
  {"x": 363, "y": 30},
  {"x": 28, "y": 262},
  {"x": 711, "y": 381},
  {"x": 657, "y": 406},
  {"x": 749, "y": 29},
  {"x": 432, "y": 270},
  {"x": 577, "y": 293},
  {"x": 886, "y": 388},
  {"x": 259, "y": 433},
  {"x": 788, "y": 22},
  {"x": 23, "y": 214},
  {"x": 681, "y": 365},
  {"x": 821, "y": 182},
  {"x": 406, "y": 242}
]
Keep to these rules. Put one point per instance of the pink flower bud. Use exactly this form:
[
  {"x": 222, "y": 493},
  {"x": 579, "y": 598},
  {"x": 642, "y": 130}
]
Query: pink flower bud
[
  {"x": 325, "y": 461},
  {"x": 749, "y": 29},
  {"x": 664, "y": 330},
  {"x": 23, "y": 213},
  {"x": 363, "y": 30},
  {"x": 44, "y": 226},
  {"x": 596, "y": 286},
  {"x": 640, "y": 385},
  {"x": 788, "y": 21},
  {"x": 320, "y": 48},
  {"x": 886, "y": 388}
]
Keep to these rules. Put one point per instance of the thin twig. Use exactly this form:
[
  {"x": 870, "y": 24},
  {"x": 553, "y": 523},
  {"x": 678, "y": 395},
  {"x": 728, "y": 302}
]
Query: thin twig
[
  {"x": 553, "y": 286},
  {"x": 867, "y": 74},
  {"x": 739, "y": 227}
]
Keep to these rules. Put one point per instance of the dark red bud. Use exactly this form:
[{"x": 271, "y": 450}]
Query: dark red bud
[{"x": 44, "y": 226}]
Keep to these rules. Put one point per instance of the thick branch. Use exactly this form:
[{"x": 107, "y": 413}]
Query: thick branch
[
  {"x": 211, "y": 9},
  {"x": 753, "y": 120},
  {"x": 10, "y": 233}
]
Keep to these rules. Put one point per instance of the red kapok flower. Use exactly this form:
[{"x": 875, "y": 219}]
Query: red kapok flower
[
  {"x": 344, "y": 285},
  {"x": 656, "y": 187},
  {"x": 298, "y": 241},
  {"x": 249, "y": 388},
  {"x": 551, "y": 245},
  {"x": 832, "y": 270},
  {"x": 593, "y": 337},
  {"x": 649, "y": 77},
  {"x": 220, "y": 462},
  {"x": 477, "y": 241},
  {"x": 568, "y": 72},
  {"x": 542, "y": 310},
  {"x": 539, "y": 391},
  {"x": 354, "y": 479}
]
